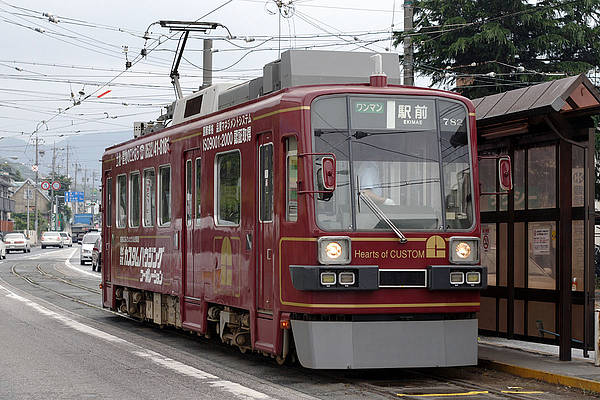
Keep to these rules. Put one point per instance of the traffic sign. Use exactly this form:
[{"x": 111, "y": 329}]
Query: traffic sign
[
  {"x": 45, "y": 185},
  {"x": 56, "y": 185},
  {"x": 34, "y": 168}
]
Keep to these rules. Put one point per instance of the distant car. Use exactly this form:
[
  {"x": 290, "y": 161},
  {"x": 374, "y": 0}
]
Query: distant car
[
  {"x": 51, "y": 239},
  {"x": 2, "y": 249},
  {"x": 66, "y": 239},
  {"x": 17, "y": 242},
  {"x": 87, "y": 244},
  {"x": 97, "y": 255}
]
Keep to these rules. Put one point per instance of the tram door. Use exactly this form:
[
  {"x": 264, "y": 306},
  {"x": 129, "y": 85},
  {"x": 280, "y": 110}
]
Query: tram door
[
  {"x": 192, "y": 173},
  {"x": 264, "y": 230},
  {"x": 107, "y": 206}
]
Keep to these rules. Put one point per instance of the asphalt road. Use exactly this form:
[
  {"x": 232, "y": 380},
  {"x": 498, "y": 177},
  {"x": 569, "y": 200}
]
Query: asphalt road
[{"x": 56, "y": 342}]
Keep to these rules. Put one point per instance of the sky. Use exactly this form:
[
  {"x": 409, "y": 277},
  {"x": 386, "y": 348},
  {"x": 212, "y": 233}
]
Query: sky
[{"x": 58, "y": 56}]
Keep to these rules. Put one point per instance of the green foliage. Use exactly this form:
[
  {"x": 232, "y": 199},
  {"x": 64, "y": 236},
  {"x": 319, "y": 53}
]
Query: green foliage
[
  {"x": 496, "y": 45},
  {"x": 12, "y": 170},
  {"x": 20, "y": 220}
]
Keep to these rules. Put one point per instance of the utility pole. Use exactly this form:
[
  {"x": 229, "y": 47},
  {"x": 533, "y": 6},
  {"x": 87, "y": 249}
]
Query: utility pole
[
  {"x": 409, "y": 75},
  {"x": 84, "y": 186},
  {"x": 28, "y": 193},
  {"x": 67, "y": 161},
  {"x": 76, "y": 202},
  {"x": 52, "y": 213},
  {"x": 37, "y": 167}
]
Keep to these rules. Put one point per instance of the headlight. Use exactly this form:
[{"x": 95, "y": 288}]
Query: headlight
[
  {"x": 464, "y": 250},
  {"x": 457, "y": 278},
  {"x": 327, "y": 278},
  {"x": 334, "y": 250},
  {"x": 347, "y": 278},
  {"x": 473, "y": 278}
]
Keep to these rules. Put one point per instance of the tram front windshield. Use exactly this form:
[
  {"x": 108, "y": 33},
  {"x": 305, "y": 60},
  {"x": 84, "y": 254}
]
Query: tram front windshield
[{"x": 409, "y": 155}]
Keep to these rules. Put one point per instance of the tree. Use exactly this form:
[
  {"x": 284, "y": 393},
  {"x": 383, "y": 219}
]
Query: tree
[
  {"x": 491, "y": 46},
  {"x": 21, "y": 221}
]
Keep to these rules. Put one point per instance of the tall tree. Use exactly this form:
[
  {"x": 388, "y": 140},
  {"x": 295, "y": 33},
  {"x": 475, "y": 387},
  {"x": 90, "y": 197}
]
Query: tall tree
[{"x": 490, "y": 46}]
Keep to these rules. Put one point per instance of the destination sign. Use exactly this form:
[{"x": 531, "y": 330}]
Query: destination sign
[{"x": 398, "y": 114}]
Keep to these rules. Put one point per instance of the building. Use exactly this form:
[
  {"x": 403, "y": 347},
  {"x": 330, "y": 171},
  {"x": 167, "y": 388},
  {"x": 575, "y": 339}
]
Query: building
[
  {"x": 6, "y": 204},
  {"x": 21, "y": 203}
]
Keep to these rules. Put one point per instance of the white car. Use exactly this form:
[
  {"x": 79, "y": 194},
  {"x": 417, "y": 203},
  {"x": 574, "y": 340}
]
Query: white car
[
  {"x": 66, "y": 239},
  {"x": 2, "y": 249},
  {"x": 17, "y": 242},
  {"x": 51, "y": 239},
  {"x": 87, "y": 245}
]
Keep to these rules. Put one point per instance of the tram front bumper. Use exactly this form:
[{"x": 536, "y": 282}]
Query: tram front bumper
[{"x": 385, "y": 344}]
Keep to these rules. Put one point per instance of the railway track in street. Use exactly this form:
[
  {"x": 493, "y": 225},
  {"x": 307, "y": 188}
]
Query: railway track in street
[{"x": 430, "y": 383}]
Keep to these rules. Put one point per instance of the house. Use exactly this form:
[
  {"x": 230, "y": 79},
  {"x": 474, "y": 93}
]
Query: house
[
  {"x": 6, "y": 204},
  {"x": 21, "y": 203}
]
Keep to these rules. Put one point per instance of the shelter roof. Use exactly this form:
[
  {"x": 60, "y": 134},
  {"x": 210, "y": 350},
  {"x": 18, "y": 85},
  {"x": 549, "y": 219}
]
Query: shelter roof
[{"x": 571, "y": 94}]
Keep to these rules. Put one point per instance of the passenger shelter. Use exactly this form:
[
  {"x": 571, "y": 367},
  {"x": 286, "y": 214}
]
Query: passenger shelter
[{"x": 538, "y": 240}]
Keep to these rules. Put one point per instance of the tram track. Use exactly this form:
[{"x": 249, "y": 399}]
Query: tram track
[
  {"x": 457, "y": 388},
  {"x": 67, "y": 281},
  {"x": 59, "y": 293},
  {"x": 396, "y": 388}
]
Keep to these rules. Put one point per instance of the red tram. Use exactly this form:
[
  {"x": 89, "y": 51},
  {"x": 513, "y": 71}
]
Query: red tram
[{"x": 336, "y": 221}]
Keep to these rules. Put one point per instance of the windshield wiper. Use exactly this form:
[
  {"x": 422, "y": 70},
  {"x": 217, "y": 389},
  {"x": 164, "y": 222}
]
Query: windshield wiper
[{"x": 381, "y": 215}]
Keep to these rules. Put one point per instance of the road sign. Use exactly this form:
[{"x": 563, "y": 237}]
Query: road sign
[
  {"x": 56, "y": 185},
  {"x": 34, "y": 168},
  {"x": 45, "y": 185}
]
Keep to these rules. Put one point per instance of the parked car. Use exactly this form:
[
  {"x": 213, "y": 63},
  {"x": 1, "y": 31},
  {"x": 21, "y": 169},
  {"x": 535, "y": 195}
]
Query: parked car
[
  {"x": 2, "y": 249},
  {"x": 17, "y": 242},
  {"x": 97, "y": 255},
  {"x": 66, "y": 239},
  {"x": 87, "y": 244},
  {"x": 51, "y": 239}
]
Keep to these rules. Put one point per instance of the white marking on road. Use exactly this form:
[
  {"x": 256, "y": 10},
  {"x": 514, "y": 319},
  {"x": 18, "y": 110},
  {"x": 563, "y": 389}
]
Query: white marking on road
[
  {"x": 74, "y": 268},
  {"x": 179, "y": 367}
]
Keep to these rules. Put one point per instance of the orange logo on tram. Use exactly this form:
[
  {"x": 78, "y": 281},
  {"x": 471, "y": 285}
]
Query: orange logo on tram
[{"x": 435, "y": 247}]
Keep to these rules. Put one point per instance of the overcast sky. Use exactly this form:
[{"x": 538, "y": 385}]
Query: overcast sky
[{"x": 43, "y": 62}]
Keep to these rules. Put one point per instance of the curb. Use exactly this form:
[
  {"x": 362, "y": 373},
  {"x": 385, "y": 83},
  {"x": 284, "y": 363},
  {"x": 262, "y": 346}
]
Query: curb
[{"x": 571, "y": 381}]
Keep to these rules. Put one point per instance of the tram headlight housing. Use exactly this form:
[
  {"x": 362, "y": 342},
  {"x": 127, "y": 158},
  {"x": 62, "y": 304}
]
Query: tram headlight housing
[
  {"x": 334, "y": 250},
  {"x": 464, "y": 250}
]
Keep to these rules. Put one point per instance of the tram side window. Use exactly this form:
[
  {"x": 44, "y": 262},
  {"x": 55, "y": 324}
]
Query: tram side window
[
  {"x": 121, "y": 201},
  {"x": 109, "y": 202},
  {"x": 291, "y": 208},
  {"x": 134, "y": 199},
  {"x": 266, "y": 182},
  {"x": 149, "y": 197},
  {"x": 188, "y": 192},
  {"x": 198, "y": 188},
  {"x": 164, "y": 199},
  {"x": 228, "y": 188}
]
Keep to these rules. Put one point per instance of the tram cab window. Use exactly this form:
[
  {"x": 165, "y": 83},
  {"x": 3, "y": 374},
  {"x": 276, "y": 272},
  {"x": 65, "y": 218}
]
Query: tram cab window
[
  {"x": 228, "y": 188},
  {"x": 291, "y": 183},
  {"x": 149, "y": 204},
  {"x": 164, "y": 199},
  {"x": 134, "y": 199},
  {"x": 121, "y": 201}
]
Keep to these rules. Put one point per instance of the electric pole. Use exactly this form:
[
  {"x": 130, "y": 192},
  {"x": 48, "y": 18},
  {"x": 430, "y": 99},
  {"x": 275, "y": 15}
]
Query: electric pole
[
  {"x": 52, "y": 213},
  {"x": 37, "y": 167},
  {"x": 77, "y": 200},
  {"x": 409, "y": 75}
]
